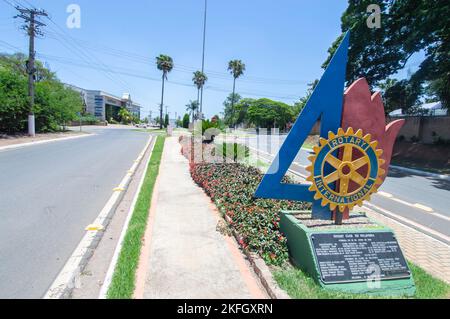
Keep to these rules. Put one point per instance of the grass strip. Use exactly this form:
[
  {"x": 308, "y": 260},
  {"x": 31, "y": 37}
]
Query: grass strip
[
  {"x": 123, "y": 281},
  {"x": 299, "y": 285}
]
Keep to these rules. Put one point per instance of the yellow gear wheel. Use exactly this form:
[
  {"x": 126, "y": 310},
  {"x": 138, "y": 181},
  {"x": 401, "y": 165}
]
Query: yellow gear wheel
[{"x": 343, "y": 183}]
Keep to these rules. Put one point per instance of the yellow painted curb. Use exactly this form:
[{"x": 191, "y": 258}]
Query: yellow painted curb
[{"x": 94, "y": 227}]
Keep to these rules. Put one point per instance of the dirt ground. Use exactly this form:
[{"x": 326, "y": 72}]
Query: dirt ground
[
  {"x": 7, "y": 140},
  {"x": 434, "y": 158}
]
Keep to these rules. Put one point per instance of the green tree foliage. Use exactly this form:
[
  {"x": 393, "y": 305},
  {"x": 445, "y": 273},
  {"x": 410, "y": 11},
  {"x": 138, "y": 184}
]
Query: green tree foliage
[
  {"x": 199, "y": 79},
  {"x": 407, "y": 27},
  {"x": 241, "y": 110},
  {"x": 229, "y": 112},
  {"x": 125, "y": 116},
  {"x": 192, "y": 108},
  {"x": 300, "y": 105},
  {"x": 266, "y": 113},
  {"x": 165, "y": 64},
  {"x": 13, "y": 101},
  {"x": 55, "y": 104},
  {"x": 237, "y": 69},
  {"x": 186, "y": 120},
  {"x": 166, "y": 120}
]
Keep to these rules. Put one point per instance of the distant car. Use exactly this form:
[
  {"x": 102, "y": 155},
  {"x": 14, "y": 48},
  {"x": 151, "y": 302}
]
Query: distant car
[{"x": 142, "y": 125}]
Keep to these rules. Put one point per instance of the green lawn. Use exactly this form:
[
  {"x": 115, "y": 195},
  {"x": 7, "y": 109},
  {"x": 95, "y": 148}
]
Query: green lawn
[
  {"x": 308, "y": 146},
  {"x": 123, "y": 282},
  {"x": 301, "y": 286}
]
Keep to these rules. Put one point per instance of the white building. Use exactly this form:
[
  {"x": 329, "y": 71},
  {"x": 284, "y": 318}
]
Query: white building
[
  {"x": 105, "y": 106},
  {"x": 428, "y": 109}
]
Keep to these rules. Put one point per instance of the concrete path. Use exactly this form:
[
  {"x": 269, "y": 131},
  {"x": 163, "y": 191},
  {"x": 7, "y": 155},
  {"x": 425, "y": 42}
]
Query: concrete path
[{"x": 184, "y": 256}]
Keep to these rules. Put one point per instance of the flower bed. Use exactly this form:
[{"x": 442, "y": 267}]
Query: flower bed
[{"x": 256, "y": 221}]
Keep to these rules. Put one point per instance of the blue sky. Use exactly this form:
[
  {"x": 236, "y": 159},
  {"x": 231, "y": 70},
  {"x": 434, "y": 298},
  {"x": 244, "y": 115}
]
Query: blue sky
[{"x": 283, "y": 44}]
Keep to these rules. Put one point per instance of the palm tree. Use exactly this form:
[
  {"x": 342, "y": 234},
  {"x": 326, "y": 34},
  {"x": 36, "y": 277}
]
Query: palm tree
[
  {"x": 192, "y": 108},
  {"x": 164, "y": 63},
  {"x": 236, "y": 68},
  {"x": 199, "y": 80}
]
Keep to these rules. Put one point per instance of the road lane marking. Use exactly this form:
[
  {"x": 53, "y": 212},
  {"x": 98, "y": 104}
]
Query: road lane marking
[
  {"x": 68, "y": 276},
  {"x": 384, "y": 194},
  {"x": 423, "y": 207},
  {"x": 21, "y": 145},
  {"x": 404, "y": 221},
  {"x": 94, "y": 227},
  {"x": 301, "y": 165},
  {"x": 381, "y": 193}
]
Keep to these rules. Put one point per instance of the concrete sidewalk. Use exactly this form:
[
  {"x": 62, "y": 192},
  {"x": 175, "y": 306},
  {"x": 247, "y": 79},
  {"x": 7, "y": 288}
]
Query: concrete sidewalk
[{"x": 184, "y": 256}]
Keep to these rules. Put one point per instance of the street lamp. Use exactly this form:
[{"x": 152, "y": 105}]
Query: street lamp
[{"x": 203, "y": 56}]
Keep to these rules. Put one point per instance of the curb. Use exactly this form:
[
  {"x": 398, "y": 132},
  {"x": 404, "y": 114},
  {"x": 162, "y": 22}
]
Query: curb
[
  {"x": 261, "y": 270},
  {"x": 21, "y": 145},
  {"x": 421, "y": 173},
  {"x": 66, "y": 280}
]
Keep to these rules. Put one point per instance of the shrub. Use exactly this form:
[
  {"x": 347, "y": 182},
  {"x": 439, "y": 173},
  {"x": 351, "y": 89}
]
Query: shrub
[
  {"x": 186, "y": 120},
  {"x": 13, "y": 102},
  {"x": 231, "y": 187},
  {"x": 89, "y": 119},
  {"x": 233, "y": 151},
  {"x": 55, "y": 104}
]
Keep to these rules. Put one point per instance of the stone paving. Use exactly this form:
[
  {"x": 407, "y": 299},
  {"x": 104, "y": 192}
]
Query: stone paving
[{"x": 430, "y": 254}]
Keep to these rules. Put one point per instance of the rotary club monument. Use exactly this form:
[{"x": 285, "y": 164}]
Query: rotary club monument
[{"x": 340, "y": 248}]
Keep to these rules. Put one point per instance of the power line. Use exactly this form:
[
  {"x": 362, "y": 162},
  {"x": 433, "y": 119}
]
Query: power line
[
  {"x": 138, "y": 74},
  {"x": 78, "y": 50},
  {"x": 135, "y": 57},
  {"x": 85, "y": 55}
]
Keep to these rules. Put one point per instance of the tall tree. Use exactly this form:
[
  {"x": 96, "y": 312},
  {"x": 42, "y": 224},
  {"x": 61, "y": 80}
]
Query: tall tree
[
  {"x": 407, "y": 27},
  {"x": 164, "y": 63},
  {"x": 192, "y": 108},
  {"x": 237, "y": 69},
  {"x": 199, "y": 80},
  {"x": 300, "y": 105},
  {"x": 229, "y": 113},
  {"x": 265, "y": 113}
]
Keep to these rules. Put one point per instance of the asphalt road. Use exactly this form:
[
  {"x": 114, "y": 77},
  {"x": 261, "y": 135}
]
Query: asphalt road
[
  {"x": 423, "y": 201},
  {"x": 49, "y": 193}
]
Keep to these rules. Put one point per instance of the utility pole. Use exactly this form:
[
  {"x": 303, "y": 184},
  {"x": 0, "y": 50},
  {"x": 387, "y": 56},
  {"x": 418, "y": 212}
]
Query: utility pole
[
  {"x": 32, "y": 26},
  {"x": 203, "y": 57}
]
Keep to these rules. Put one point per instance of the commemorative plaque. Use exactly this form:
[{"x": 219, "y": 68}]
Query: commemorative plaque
[{"x": 356, "y": 257}]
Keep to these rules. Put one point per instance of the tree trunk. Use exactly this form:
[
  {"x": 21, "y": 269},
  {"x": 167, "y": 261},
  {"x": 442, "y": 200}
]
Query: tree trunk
[
  {"x": 162, "y": 104},
  {"x": 232, "y": 101},
  {"x": 198, "y": 102}
]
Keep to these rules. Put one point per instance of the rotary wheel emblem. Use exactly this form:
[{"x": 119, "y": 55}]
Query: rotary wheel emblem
[{"x": 346, "y": 169}]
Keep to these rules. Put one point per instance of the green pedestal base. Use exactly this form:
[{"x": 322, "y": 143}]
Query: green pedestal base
[{"x": 301, "y": 252}]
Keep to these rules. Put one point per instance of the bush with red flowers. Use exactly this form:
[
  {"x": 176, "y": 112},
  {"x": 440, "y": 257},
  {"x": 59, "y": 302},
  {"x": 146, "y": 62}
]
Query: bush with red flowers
[{"x": 256, "y": 221}]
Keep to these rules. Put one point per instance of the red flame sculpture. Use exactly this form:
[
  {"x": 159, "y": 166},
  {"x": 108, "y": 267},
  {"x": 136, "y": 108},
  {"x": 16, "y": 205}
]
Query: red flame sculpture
[{"x": 365, "y": 111}]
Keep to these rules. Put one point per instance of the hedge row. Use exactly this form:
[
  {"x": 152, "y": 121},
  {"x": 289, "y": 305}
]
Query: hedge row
[{"x": 232, "y": 188}]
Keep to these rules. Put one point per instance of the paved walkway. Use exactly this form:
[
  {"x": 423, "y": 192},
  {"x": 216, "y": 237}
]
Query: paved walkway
[
  {"x": 428, "y": 253},
  {"x": 184, "y": 256}
]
